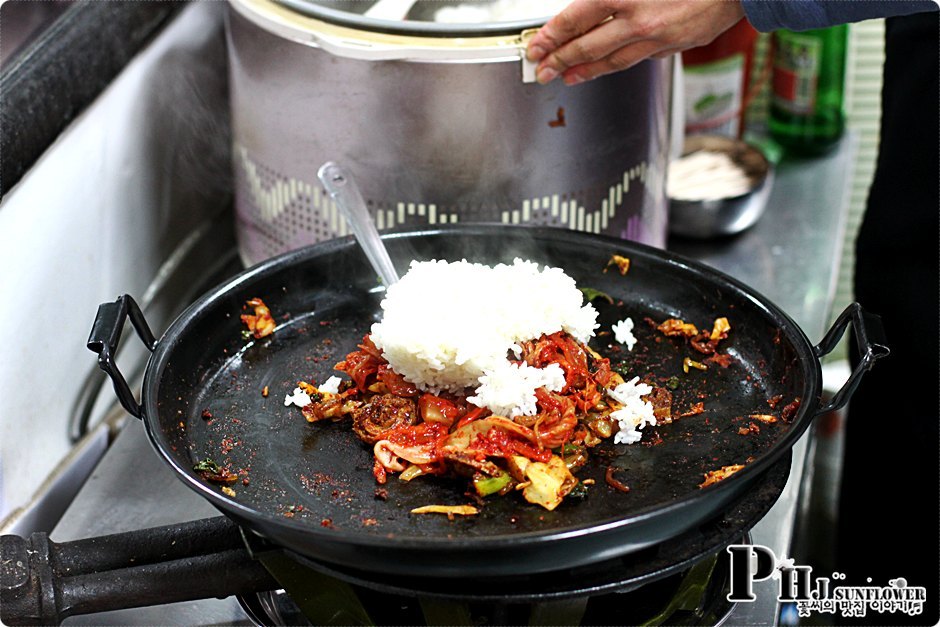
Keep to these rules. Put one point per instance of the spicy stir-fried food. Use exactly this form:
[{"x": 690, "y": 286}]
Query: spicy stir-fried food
[
  {"x": 416, "y": 433},
  {"x": 512, "y": 398}
]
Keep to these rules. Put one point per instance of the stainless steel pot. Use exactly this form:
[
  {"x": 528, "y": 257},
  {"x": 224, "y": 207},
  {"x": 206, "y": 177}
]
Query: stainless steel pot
[{"x": 437, "y": 125}]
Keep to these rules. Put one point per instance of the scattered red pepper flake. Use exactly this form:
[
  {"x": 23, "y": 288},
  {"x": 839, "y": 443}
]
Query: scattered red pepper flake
[
  {"x": 653, "y": 440},
  {"x": 722, "y": 360}
]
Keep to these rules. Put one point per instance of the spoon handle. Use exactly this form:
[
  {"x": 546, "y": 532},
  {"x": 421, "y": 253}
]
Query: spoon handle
[{"x": 344, "y": 192}]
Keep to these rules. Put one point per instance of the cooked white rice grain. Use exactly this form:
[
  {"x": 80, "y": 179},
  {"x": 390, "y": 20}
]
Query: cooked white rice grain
[
  {"x": 623, "y": 332},
  {"x": 298, "y": 398},
  {"x": 330, "y": 386}
]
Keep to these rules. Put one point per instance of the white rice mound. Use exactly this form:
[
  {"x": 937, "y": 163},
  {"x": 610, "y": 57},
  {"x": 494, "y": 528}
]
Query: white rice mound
[{"x": 445, "y": 324}]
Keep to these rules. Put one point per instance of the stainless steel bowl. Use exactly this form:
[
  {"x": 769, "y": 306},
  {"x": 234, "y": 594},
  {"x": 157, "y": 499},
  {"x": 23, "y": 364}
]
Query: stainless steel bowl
[{"x": 724, "y": 216}]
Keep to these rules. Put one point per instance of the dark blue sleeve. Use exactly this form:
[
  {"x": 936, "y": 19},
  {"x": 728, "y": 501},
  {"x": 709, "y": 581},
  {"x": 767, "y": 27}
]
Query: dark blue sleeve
[{"x": 768, "y": 15}]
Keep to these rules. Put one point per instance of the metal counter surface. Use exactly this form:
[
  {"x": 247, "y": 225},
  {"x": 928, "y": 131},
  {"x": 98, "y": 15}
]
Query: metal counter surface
[{"x": 791, "y": 256}]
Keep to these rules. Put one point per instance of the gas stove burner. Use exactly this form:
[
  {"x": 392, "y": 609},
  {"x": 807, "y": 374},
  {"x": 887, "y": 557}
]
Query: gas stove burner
[
  {"x": 683, "y": 580},
  {"x": 697, "y": 596},
  {"x": 694, "y": 596}
]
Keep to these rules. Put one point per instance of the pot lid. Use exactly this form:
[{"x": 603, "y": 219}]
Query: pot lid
[
  {"x": 426, "y": 17},
  {"x": 350, "y": 34}
]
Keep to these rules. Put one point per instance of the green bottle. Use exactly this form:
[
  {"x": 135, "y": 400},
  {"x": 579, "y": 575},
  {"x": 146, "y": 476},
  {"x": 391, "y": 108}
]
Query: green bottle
[{"x": 806, "y": 114}]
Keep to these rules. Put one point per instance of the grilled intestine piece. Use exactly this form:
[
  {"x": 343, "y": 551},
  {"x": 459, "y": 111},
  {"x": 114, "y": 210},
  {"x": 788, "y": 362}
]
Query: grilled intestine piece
[{"x": 383, "y": 413}]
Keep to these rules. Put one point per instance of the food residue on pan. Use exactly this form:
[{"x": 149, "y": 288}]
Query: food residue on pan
[
  {"x": 260, "y": 324},
  {"x": 449, "y": 510},
  {"x": 714, "y": 476},
  {"x": 212, "y": 472},
  {"x": 789, "y": 410},
  {"x": 674, "y": 326},
  {"x": 620, "y": 262},
  {"x": 694, "y": 410},
  {"x": 765, "y": 418},
  {"x": 612, "y": 481}
]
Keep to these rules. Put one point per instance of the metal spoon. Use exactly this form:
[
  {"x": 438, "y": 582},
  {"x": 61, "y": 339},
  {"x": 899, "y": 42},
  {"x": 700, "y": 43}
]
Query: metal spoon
[{"x": 344, "y": 192}]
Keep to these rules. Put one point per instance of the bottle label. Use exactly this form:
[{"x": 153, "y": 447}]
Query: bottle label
[
  {"x": 713, "y": 96},
  {"x": 796, "y": 72}
]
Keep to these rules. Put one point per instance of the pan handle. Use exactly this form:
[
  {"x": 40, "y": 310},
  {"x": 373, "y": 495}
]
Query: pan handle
[
  {"x": 872, "y": 346},
  {"x": 104, "y": 338}
]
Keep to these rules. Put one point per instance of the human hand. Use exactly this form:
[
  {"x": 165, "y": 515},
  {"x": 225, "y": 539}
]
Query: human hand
[{"x": 590, "y": 38}]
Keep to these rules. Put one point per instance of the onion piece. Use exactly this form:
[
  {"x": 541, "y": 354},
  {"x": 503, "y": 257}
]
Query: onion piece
[
  {"x": 411, "y": 472},
  {"x": 450, "y": 510}
]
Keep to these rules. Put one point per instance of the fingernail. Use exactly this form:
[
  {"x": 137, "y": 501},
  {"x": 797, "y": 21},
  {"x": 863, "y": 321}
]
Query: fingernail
[
  {"x": 546, "y": 75},
  {"x": 535, "y": 53}
]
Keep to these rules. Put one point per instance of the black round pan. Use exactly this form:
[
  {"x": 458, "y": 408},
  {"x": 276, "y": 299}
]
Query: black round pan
[{"x": 309, "y": 487}]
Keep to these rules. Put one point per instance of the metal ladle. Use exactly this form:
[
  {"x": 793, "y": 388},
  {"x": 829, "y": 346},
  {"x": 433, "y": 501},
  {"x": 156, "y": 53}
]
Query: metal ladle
[{"x": 344, "y": 192}]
